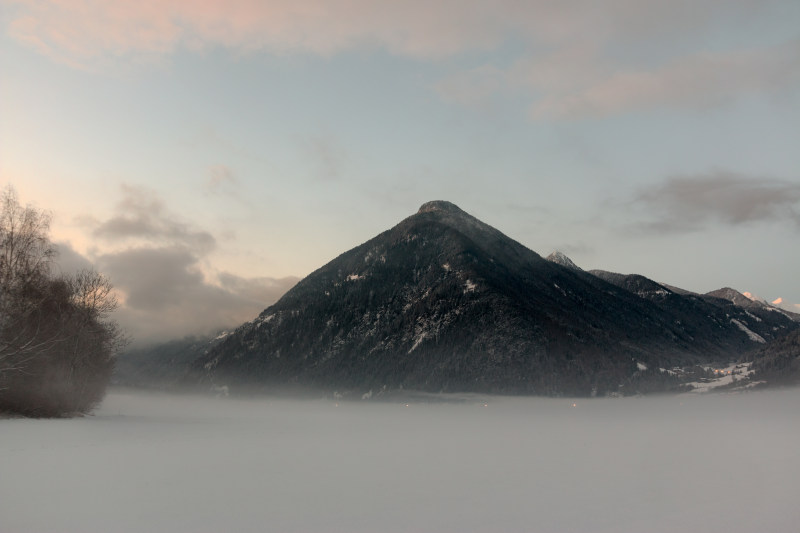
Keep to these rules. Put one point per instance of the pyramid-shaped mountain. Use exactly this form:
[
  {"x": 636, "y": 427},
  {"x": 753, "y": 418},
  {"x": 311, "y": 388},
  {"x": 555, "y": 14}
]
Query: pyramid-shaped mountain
[{"x": 445, "y": 302}]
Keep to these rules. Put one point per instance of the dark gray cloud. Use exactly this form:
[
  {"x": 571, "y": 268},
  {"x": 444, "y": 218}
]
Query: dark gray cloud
[
  {"x": 154, "y": 278},
  {"x": 142, "y": 215},
  {"x": 69, "y": 261},
  {"x": 165, "y": 295},
  {"x": 686, "y": 203},
  {"x": 159, "y": 266}
]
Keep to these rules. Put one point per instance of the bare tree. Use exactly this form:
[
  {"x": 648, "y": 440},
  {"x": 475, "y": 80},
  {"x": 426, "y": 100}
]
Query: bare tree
[{"x": 57, "y": 341}]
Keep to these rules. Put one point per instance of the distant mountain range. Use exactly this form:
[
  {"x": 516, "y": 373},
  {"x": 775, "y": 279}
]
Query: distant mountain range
[{"x": 445, "y": 302}]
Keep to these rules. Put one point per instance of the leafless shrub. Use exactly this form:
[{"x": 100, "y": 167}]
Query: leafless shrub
[{"x": 57, "y": 342}]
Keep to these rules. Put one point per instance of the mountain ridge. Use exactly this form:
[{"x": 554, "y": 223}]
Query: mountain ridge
[{"x": 444, "y": 301}]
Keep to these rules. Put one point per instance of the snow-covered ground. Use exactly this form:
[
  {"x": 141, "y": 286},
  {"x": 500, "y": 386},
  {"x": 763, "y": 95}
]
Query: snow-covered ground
[
  {"x": 159, "y": 463},
  {"x": 728, "y": 375}
]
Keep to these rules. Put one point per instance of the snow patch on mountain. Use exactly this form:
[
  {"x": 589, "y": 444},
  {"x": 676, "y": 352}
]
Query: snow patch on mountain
[
  {"x": 751, "y": 315},
  {"x": 657, "y": 292},
  {"x": 755, "y": 337},
  {"x": 420, "y": 335},
  {"x": 263, "y": 319}
]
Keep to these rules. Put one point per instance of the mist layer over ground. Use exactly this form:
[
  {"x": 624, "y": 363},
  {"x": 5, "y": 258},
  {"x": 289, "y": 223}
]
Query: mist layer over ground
[{"x": 197, "y": 464}]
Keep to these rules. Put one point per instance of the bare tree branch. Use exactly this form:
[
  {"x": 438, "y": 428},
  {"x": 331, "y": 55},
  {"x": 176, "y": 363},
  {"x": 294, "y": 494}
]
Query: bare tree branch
[{"x": 57, "y": 342}]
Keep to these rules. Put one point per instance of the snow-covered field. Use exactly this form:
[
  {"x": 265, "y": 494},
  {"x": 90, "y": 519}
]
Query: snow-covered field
[{"x": 153, "y": 463}]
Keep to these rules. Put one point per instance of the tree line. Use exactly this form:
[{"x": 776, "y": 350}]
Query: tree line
[{"x": 57, "y": 341}]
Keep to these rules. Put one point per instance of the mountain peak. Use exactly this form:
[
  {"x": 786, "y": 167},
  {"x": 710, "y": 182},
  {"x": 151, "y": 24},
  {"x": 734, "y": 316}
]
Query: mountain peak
[
  {"x": 439, "y": 205},
  {"x": 560, "y": 258},
  {"x": 735, "y": 297},
  {"x": 444, "y": 302}
]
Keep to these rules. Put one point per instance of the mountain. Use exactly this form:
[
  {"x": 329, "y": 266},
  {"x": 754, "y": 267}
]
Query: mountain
[
  {"x": 793, "y": 309},
  {"x": 778, "y": 362},
  {"x": 560, "y": 259},
  {"x": 713, "y": 320},
  {"x": 736, "y": 297},
  {"x": 745, "y": 300},
  {"x": 445, "y": 302},
  {"x": 161, "y": 365},
  {"x": 637, "y": 284}
]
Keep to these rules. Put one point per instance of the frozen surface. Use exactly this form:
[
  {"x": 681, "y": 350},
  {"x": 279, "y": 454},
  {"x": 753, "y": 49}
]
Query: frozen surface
[{"x": 195, "y": 464}]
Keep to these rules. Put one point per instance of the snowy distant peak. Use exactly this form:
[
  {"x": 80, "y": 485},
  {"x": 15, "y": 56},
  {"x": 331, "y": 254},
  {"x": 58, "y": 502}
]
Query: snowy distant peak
[
  {"x": 743, "y": 299},
  {"x": 734, "y": 296},
  {"x": 786, "y": 306},
  {"x": 440, "y": 205},
  {"x": 754, "y": 298},
  {"x": 560, "y": 258},
  {"x": 748, "y": 299}
]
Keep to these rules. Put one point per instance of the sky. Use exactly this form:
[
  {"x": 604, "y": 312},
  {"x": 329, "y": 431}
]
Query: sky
[{"x": 207, "y": 155}]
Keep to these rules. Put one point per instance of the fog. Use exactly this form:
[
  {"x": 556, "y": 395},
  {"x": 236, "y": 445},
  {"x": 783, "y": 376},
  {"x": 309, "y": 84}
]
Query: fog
[{"x": 148, "y": 462}]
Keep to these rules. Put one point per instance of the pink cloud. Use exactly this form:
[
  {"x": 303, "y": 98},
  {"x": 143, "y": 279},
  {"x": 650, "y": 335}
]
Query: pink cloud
[
  {"x": 82, "y": 30},
  {"x": 566, "y": 63},
  {"x": 695, "y": 81},
  {"x": 89, "y": 31}
]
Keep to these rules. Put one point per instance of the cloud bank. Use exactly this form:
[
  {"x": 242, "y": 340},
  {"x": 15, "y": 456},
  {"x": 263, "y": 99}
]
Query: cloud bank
[
  {"x": 142, "y": 216},
  {"x": 157, "y": 264},
  {"x": 574, "y": 59},
  {"x": 688, "y": 203}
]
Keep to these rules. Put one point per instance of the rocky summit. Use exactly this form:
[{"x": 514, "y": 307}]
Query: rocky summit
[{"x": 445, "y": 302}]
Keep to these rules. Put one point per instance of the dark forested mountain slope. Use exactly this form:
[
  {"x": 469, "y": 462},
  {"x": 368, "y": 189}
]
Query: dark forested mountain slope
[
  {"x": 716, "y": 324},
  {"x": 779, "y": 361},
  {"x": 161, "y": 365},
  {"x": 443, "y": 301}
]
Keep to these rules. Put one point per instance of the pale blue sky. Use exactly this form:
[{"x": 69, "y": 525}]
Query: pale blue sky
[{"x": 261, "y": 139}]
